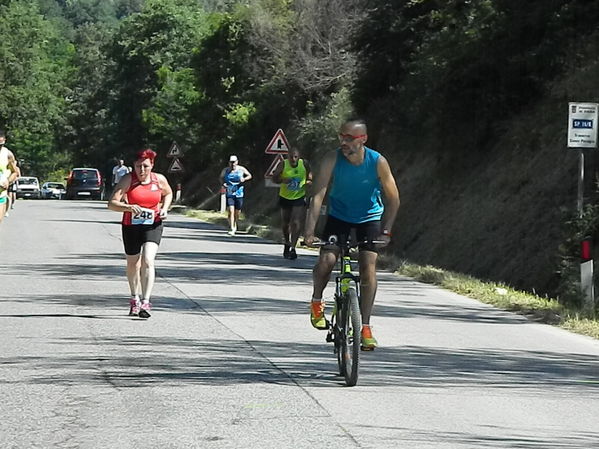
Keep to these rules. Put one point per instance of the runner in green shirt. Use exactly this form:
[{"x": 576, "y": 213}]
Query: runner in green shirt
[{"x": 294, "y": 175}]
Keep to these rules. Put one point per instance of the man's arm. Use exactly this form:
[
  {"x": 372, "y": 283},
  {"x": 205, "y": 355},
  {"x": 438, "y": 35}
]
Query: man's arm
[
  {"x": 390, "y": 192},
  {"x": 246, "y": 175},
  {"x": 276, "y": 176},
  {"x": 308, "y": 172},
  {"x": 320, "y": 190}
]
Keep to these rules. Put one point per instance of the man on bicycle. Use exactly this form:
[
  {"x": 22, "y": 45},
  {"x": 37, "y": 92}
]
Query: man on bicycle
[{"x": 357, "y": 175}]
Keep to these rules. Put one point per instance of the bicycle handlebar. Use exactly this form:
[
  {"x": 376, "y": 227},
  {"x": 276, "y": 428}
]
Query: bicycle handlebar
[{"x": 334, "y": 240}]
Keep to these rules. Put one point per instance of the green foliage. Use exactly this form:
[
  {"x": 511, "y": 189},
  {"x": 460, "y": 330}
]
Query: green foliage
[
  {"x": 239, "y": 114},
  {"x": 88, "y": 122},
  {"x": 58, "y": 167},
  {"x": 221, "y": 67},
  {"x": 444, "y": 60},
  {"x": 169, "y": 115},
  {"x": 316, "y": 131},
  {"x": 83, "y": 12},
  {"x": 164, "y": 34},
  {"x": 36, "y": 63}
]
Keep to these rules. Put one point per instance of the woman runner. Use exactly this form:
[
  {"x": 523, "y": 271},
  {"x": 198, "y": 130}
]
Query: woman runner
[{"x": 144, "y": 197}]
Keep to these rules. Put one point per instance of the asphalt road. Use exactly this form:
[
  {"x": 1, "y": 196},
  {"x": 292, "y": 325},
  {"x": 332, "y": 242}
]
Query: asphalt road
[{"x": 229, "y": 359}]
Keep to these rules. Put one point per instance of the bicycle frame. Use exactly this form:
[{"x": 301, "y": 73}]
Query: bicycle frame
[{"x": 344, "y": 279}]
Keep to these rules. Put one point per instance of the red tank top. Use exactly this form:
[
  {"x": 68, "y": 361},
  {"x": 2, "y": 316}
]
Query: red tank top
[{"x": 147, "y": 196}]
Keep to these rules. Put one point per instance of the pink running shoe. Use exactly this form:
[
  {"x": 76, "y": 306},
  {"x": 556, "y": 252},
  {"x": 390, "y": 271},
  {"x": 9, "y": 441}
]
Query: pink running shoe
[
  {"x": 134, "y": 307},
  {"x": 144, "y": 312}
]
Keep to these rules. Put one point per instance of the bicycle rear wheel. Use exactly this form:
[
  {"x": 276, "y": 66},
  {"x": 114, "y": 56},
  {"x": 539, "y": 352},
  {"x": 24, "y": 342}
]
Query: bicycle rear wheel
[{"x": 350, "y": 326}]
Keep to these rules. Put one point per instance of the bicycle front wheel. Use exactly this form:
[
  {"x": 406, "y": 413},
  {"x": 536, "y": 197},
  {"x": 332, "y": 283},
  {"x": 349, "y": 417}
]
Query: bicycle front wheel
[{"x": 350, "y": 325}]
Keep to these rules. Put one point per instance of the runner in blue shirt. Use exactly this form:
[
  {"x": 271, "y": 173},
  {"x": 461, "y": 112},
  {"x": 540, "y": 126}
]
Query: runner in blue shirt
[{"x": 232, "y": 179}]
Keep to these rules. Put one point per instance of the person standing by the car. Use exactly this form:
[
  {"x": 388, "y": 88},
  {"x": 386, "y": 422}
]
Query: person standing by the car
[
  {"x": 118, "y": 171},
  {"x": 232, "y": 179},
  {"x": 8, "y": 173},
  {"x": 144, "y": 197}
]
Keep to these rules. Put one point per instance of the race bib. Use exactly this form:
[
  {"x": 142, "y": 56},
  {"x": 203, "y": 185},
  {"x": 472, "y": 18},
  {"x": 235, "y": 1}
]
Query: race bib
[
  {"x": 294, "y": 184},
  {"x": 145, "y": 217}
]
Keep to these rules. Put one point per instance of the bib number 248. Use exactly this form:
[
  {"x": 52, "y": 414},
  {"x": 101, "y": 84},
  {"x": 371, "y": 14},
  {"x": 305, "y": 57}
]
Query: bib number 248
[{"x": 145, "y": 217}]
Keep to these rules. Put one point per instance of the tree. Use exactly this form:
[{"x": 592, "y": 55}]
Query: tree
[
  {"x": 160, "y": 39},
  {"x": 306, "y": 43},
  {"x": 36, "y": 62}
]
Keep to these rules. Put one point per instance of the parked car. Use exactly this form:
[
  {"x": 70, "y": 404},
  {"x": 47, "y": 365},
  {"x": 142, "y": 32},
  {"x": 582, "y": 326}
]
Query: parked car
[
  {"x": 85, "y": 183},
  {"x": 27, "y": 187},
  {"x": 52, "y": 190}
]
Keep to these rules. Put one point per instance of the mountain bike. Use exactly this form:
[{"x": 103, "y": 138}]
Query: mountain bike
[{"x": 346, "y": 320}]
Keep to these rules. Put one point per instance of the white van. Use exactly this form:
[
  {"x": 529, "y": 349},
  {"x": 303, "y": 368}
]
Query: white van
[{"x": 28, "y": 187}]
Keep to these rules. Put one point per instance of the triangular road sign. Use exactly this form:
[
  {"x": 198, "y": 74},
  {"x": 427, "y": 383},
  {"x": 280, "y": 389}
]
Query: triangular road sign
[
  {"x": 275, "y": 163},
  {"x": 174, "y": 150},
  {"x": 278, "y": 144},
  {"x": 176, "y": 166}
]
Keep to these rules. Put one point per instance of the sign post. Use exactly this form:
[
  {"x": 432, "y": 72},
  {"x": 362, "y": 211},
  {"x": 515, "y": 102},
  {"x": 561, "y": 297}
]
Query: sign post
[
  {"x": 176, "y": 167},
  {"x": 278, "y": 146},
  {"x": 582, "y": 133}
]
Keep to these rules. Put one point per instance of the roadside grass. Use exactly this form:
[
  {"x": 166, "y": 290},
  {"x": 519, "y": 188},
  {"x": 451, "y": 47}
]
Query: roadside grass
[{"x": 534, "y": 307}]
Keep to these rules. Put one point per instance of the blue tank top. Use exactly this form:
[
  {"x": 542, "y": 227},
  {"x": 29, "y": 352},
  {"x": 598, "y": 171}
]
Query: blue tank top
[
  {"x": 356, "y": 190},
  {"x": 233, "y": 182}
]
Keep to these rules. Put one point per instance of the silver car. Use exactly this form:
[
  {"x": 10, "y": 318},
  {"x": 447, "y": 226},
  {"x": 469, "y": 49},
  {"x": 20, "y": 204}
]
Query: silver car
[
  {"x": 53, "y": 190},
  {"x": 27, "y": 187}
]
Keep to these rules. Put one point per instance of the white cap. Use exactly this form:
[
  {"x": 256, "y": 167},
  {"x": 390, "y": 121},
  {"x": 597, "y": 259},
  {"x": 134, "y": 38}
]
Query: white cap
[{"x": 233, "y": 158}]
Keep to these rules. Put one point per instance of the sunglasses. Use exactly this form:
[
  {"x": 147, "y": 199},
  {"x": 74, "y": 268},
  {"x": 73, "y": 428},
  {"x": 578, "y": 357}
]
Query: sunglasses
[{"x": 348, "y": 138}]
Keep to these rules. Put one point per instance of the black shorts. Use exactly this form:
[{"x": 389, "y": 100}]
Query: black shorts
[
  {"x": 236, "y": 202},
  {"x": 367, "y": 231},
  {"x": 134, "y": 236},
  {"x": 290, "y": 204},
  {"x": 13, "y": 187}
]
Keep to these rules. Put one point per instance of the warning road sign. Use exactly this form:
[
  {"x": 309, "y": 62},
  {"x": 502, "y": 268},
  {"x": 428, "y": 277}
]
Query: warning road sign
[
  {"x": 278, "y": 144},
  {"x": 275, "y": 163},
  {"x": 176, "y": 166},
  {"x": 174, "y": 150}
]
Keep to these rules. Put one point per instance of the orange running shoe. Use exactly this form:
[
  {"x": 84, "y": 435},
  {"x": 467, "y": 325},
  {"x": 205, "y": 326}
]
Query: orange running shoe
[
  {"x": 368, "y": 341},
  {"x": 317, "y": 317}
]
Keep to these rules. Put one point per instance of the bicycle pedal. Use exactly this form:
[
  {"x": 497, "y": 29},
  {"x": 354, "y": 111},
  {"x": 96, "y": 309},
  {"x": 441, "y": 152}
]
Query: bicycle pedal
[{"x": 330, "y": 337}]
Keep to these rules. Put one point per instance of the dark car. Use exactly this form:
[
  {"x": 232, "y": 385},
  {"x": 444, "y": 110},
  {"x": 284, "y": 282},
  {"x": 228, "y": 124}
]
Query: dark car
[{"x": 85, "y": 183}]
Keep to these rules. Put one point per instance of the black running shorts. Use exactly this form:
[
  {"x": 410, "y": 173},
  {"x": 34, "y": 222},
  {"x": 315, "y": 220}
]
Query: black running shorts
[
  {"x": 290, "y": 204},
  {"x": 134, "y": 236},
  {"x": 367, "y": 231}
]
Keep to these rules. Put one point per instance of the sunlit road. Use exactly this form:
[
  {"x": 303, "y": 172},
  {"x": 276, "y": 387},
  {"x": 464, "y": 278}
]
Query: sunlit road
[{"x": 229, "y": 360}]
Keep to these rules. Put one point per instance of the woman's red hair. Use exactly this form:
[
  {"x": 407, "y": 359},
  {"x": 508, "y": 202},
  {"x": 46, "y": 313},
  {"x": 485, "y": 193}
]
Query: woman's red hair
[{"x": 142, "y": 155}]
